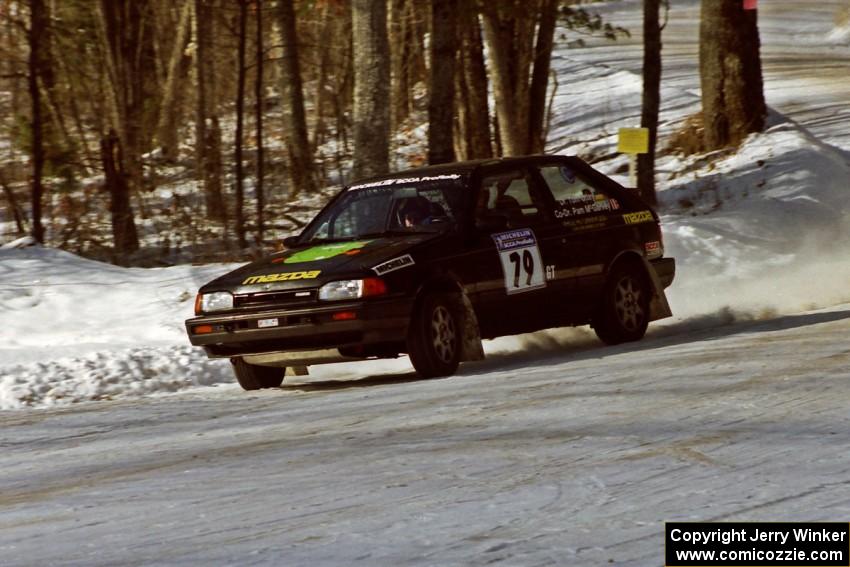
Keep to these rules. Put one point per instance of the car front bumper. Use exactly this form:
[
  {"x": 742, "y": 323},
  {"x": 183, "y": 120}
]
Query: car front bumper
[{"x": 308, "y": 329}]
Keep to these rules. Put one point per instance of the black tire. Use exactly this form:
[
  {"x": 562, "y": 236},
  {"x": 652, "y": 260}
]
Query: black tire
[
  {"x": 254, "y": 377},
  {"x": 434, "y": 337},
  {"x": 623, "y": 314}
]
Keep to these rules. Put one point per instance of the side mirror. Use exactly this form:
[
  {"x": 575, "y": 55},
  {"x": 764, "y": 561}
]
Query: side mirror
[
  {"x": 290, "y": 241},
  {"x": 492, "y": 223}
]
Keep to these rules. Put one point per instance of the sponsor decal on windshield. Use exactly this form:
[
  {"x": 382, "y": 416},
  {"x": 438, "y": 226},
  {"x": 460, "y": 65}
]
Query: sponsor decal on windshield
[
  {"x": 326, "y": 251},
  {"x": 394, "y": 264},
  {"x": 405, "y": 180},
  {"x": 282, "y": 277}
]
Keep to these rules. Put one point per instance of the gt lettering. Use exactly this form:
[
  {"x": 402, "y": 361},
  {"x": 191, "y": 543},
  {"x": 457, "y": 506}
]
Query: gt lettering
[{"x": 286, "y": 276}]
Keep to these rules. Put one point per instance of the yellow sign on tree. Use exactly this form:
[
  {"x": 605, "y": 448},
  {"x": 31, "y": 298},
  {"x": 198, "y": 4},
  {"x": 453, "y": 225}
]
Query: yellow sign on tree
[{"x": 633, "y": 141}]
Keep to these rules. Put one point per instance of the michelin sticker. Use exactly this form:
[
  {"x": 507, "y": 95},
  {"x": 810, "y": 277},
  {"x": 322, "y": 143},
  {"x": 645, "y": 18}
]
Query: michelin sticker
[
  {"x": 394, "y": 264},
  {"x": 521, "y": 264}
]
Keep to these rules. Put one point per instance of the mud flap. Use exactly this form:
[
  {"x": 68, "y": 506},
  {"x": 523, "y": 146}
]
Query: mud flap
[
  {"x": 297, "y": 371},
  {"x": 470, "y": 347},
  {"x": 659, "y": 308}
]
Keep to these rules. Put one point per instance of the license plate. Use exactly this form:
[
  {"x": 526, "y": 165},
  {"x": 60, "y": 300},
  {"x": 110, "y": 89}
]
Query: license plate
[{"x": 264, "y": 323}]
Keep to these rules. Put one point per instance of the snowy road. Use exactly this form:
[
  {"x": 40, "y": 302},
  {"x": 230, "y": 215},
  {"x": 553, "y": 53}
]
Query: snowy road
[{"x": 549, "y": 457}]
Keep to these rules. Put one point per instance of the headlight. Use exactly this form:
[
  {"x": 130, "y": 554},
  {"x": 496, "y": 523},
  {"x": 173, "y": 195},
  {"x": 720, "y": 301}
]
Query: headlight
[
  {"x": 216, "y": 301},
  {"x": 352, "y": 289}
]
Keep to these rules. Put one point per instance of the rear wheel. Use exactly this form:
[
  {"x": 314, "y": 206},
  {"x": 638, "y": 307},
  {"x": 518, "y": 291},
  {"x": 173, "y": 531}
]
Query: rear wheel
[
  {"x": 254, "y": 377},
  {"x": 433, "y": 340},
  {"x": 623, "y": 314}
]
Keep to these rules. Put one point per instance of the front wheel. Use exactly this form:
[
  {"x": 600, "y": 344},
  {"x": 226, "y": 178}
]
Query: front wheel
[
  {"x": 623, "y": 314},
  {"x": 254, "y": 377},
  {"x": 434, "y": 340}
]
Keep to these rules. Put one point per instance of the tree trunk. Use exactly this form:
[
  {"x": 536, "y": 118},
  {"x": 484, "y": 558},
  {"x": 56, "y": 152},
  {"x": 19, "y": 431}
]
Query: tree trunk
[
  {"x": 733, "y": 104},
  {"x": 123, "y": 226},
  {"x": 651, "y": 100},
  {"x": 207, "y": 130},
  {"x": 301, "y": 170},
  {"x": 400, "y": 32},
  {"x": 38, "y": 30},
  {"x": 540, "y": 77},
  {"x": 371, "y": 88},
  {"x": 473, "y": 77},
  {"x": 442, "y": 81},
  {"x": 131, "y": 62},
  {"x": 509, "y": 31},
  {"x": 258, "y": 98},
  {"x": 169, "y": 109},
  {"x": 240, "y": 118}
]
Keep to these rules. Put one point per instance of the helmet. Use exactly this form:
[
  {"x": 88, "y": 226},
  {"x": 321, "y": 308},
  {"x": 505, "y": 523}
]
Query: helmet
[{"x": 414, "y": 211}]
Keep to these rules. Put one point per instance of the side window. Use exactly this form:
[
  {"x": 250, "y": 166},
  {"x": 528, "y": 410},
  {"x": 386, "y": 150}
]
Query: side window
[
  {"x": 508, "y": 194},
  {"x": 574, "y": 195}
]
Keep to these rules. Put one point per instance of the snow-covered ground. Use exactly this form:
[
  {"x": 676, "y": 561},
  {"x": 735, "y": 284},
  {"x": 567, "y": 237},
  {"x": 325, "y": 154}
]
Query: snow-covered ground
[
  {"x": 556, "y": 456},
  {"x": 554, "y": 451}
]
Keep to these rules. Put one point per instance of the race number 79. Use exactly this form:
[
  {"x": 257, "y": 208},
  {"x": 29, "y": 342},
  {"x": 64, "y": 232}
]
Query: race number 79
[{"x": 527, "y": 263}]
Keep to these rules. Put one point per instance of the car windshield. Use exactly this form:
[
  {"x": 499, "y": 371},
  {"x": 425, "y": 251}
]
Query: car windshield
[{"x": 396, "y": 206}]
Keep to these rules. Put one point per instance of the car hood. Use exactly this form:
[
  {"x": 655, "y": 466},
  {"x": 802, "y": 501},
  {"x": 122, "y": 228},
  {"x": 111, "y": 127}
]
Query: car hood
[{"x": 311, "y": 266}]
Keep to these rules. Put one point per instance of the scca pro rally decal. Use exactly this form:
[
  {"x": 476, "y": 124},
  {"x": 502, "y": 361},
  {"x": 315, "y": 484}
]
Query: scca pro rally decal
[
  {"x": 394, "y": 264},
  {"x": 521, "y": 263},
  {"x": 326, "y": 251},
  {"x": 639, "y": 217},
  {"x": 283, "y": 277}
]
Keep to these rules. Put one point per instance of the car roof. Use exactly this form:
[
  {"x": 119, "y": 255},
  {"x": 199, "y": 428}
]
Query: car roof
[{"x": 458, "y": 167}]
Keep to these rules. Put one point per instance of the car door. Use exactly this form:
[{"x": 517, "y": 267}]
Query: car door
[
  {"x": 511, "y": 235},
  {"x": 590, "y": 212}
]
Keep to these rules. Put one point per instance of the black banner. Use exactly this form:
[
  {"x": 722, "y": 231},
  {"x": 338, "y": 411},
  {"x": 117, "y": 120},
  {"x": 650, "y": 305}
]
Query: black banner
[{"x": 762, "y": 544}]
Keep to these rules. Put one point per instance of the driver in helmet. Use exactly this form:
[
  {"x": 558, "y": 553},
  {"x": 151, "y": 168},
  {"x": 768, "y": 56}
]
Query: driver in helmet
[{"x": 416, "y": 211}]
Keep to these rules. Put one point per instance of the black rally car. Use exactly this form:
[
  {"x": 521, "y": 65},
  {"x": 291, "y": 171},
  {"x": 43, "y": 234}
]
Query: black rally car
[{"x": 430, "y": 261}]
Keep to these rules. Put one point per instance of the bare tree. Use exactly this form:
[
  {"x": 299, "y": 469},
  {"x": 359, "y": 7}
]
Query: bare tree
[
  {"x": 207, "y": 129},
  {"x": 733, "y": 102},
  {"x": 441, "y": 92},
  {"x": 37, "y": 32},
  {"x": 371, "y": 88},
  {"x": 301, "y": 171},
  {"x": 540, "y": 76},
  {"x": 169, "y": 110},
  {"x": 240, "y": 120},
  {"x": 473, "y": 136},
  {"x": 258, "y": 122},
  {"x": 651, "y": 98}
]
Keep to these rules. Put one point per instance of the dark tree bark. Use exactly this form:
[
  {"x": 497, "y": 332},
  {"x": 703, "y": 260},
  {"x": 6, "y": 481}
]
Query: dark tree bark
[
  {"x": 475, "y": 80},
  {"x": 240, "y": 119},
  {"x": 207, "y": 129},
  {"x": 258, "y": 121},
  {"x": 128, "y": 31},
  {"x": 540, "y": 76},
  {"x": 509, "y": 32},
  {"x": 371, "y": 88},
  {"x": 123, "y": 226},
  {"x": 441, "y": 92},
  {"x": 178, "y": 66},
  {"x": 301, "y": 170},
  {"x": 37, "y": 32},
  {"x": 651, "y": 99},
  {"x": 733, "y": 104},
  {"x": 400, "y": 32}
]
